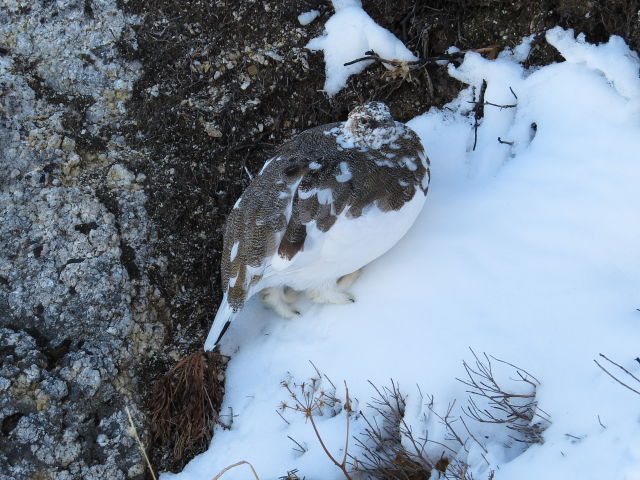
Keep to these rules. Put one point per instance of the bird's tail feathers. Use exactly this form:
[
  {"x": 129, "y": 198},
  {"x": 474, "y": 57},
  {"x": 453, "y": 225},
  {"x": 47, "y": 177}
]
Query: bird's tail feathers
[{"x": 220, "y": 324}]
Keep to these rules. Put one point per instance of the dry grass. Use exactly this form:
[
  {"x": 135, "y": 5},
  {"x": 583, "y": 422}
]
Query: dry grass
[
  {"x": 230, "y": 467},
  {"x": 185, "y": 402},
  {"x": 133, "y": 431}
]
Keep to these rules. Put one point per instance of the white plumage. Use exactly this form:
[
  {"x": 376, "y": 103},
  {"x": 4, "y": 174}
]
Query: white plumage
[{"x": 330, "y": 201}]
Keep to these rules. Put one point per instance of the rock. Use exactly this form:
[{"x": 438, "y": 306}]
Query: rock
[
  {"x": 76, "y": 313},
  {"x": 68, "y": 144},
  {"x": 119, "y": 176}
]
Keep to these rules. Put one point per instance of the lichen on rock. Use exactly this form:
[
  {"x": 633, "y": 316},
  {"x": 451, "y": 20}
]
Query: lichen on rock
[{"x": 77, "y": 312}]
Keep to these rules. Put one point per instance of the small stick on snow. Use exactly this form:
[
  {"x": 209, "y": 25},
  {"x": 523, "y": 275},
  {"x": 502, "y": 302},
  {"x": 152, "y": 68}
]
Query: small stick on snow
[
  {"x": 600, "y": 422},
  {"x": 511, "y": 105},
  {"x": 621, "y": 367},
  {"x": 478, "y": 113},
  {"x": 499, "y": 106},
  {"x": 318, "y": 371},
  {"x": 348, "y": 410},
  {"x": 473, "y": 436},
  {"x": 284, "y": 419},
  {"x": 371, "y": 55},
  {"x": 242, "y": 462},
  {"x": 616, "y": 378},
  {"x": 300, "y": 448}
]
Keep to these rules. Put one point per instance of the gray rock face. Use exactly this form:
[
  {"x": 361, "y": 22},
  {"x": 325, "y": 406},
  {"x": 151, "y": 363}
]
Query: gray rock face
[{"x": 77, "y": 313}]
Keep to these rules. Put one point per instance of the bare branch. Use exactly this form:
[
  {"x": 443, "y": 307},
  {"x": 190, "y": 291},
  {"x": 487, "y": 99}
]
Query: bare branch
[
  {"x": 491, "y": 51},
  {"x": 515, "y": 410},
  {"x": 600, "y": 422},
  {"x": 616, "y": 378},
  {"x": 284, "y": 419},
  {"x": 514, "y": 105},
  {"x": 385, "y": 456},
  {"x": 621, "y": 367},
  {"x": 484, "y": 449}
]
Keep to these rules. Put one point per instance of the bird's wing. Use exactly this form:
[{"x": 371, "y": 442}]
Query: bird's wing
[
  {"x": 256, "y": 225},
  {"x": 340, "y": 187}
]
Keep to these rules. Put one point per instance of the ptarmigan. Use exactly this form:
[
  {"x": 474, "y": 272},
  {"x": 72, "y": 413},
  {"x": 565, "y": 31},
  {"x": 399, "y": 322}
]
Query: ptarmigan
[{"x": 331, "y": 200}]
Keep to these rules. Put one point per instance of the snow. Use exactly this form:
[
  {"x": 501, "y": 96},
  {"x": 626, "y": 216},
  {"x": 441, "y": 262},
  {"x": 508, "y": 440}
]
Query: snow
[
  {"x": 307, "y": 17},
  {"x": 348, "y": 34},
  {"x": 526, "y": 250}
]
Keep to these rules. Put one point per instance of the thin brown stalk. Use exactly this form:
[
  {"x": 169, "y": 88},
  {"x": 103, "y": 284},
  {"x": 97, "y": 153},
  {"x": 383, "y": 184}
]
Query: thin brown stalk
[
  {"x": 237, "y": 464},
  {"x": 134, "y": 433}
]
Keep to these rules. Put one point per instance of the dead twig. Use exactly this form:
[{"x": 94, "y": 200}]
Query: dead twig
[
  {"x": 500, "y": 406},
  {"x": 376, "y": 58},
  {"x": 498, "y": 105},
  {"x": 478, "y": 112},
  {"x": 237, "y": 464},
  {"x": 311, "y": 400},
  {"x": 620, "y": 367},
  {"x": 391, "y": 450},
  {"x": 291, "y": 475},
  {"x": 448, "y": 423},
  {"x": 300, "y": 448},
  {"x": 491, "y": 52},
  {"x": 601, "y": 424}
]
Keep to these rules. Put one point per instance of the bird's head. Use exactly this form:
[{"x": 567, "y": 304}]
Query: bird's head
[{"x": 371, "y": 125}]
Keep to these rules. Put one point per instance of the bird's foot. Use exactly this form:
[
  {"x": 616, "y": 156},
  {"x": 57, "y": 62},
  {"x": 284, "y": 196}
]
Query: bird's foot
[
  {"x": 290, "y": 295},
  {"x": 330, "y": 295},
  {"x": 346, "y": 281},
  {"x": 280, "y": 300}
]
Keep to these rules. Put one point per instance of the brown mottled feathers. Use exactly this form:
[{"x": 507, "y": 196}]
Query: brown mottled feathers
[{"x": 311, "y": 180}]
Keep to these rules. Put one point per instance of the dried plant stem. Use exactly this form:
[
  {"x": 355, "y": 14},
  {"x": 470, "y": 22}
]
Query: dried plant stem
[
  {"x": 341, "y": 465},
  {"x": 134, "y": 433},
  {"x": 309, "y": 399},
  {"x": 489, "y": 402},
  {"x": 347, "y": 408},
  {"x": 326, "y": 450},
  {"x": 384, "y": 454},
  {"x": 616, "y": 378},
  {"x": 491, "y": 52},
  {"x": 237, "y": 464}
]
